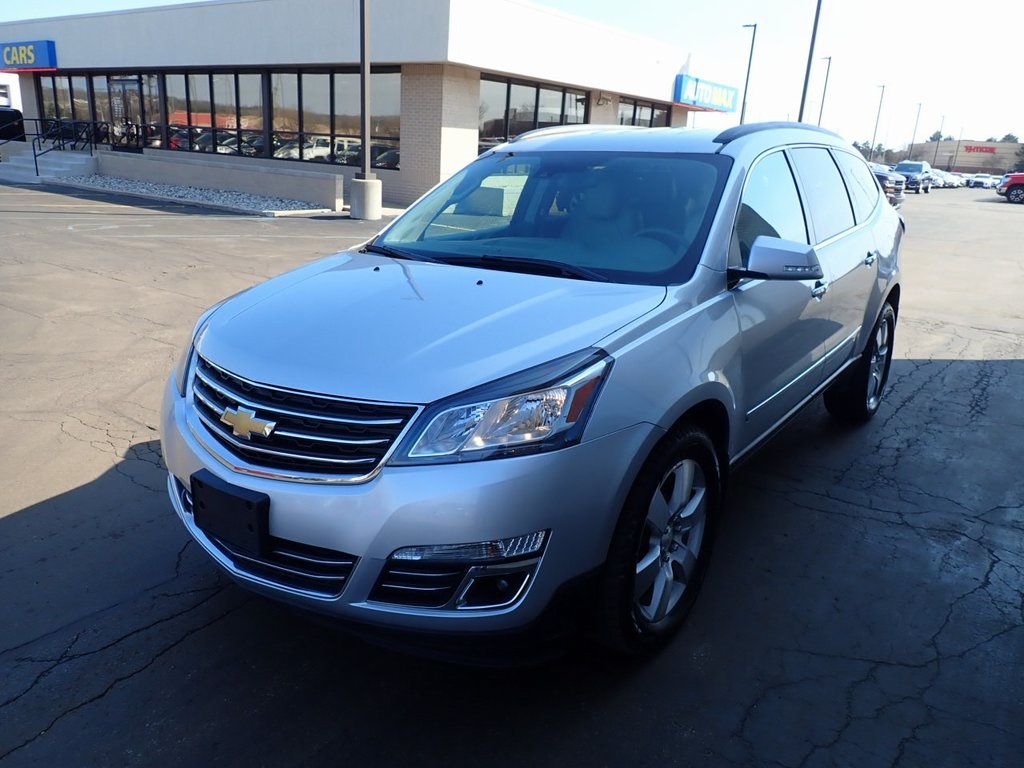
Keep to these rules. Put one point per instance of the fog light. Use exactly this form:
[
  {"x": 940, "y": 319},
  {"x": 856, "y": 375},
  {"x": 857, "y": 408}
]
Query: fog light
[
  {"x": 494, "y": 591},
  {"x": 501, "y": 549}
]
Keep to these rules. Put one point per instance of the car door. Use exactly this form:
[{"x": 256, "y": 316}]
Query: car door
[
  {"x": 783, "y": 323},
  {"x": 840, "y": 204}
]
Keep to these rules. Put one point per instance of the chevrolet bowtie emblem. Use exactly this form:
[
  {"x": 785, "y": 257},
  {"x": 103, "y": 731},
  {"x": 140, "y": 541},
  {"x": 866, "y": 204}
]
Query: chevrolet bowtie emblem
[{"x": 245, "y": 424}]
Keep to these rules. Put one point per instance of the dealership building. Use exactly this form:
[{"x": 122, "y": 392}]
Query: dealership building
[{"x": 264, "y": 95}]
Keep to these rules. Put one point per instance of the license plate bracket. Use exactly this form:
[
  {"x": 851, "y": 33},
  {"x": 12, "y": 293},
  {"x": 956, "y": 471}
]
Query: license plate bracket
[{"x": 238, "y": 516}]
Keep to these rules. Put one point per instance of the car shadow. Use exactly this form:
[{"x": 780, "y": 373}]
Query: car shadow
[{"x": 841, "y": 551}]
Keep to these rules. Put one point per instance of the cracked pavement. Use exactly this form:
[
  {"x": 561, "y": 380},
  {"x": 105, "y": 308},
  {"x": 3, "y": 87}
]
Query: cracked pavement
[{"x": 865, "y": 605}]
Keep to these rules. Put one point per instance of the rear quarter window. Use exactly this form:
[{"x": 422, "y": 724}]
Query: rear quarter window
[{"x": 860, "y": 182}]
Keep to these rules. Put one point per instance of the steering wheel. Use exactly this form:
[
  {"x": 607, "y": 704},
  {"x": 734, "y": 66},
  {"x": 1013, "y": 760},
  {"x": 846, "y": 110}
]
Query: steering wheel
[{"x": 671, "y": 238}]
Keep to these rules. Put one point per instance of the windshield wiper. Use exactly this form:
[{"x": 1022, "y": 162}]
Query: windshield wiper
[
  {"x": 397, "y": 253},
  {"x": 541, "y": 267}
]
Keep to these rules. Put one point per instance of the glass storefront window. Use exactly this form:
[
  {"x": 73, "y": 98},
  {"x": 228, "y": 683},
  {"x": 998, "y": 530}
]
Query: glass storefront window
[
  {"x": 575, "y": 107},
  {"x": 49, "y": 105},
  {"x": 63, "y": 93},
  {"x": 346, "y": 105},
  {"x": 200, "y": 103},
  {"x": 386, "y": 98},
  {"x": 643, "y": 115},
  {"x": 151, "y": 110},
  {"x": 178, "y": 136},
  {"x": 626, "y": 110},
  {"x": 316, "y": 117},
  {"x": 80, "y": 109},
  {"x": 493, "y": 102},
  {"x": 522, "y": 109},
  {"x": 101, "y": 98},
  {"x": 549, "y": 108},
  {"x": 660, "y": 119}
]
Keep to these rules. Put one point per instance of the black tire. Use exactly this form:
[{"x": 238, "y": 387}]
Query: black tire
[
  {"x": 928, "y": 189},
  {"x": 1015, "y": 194},
  {"x": 918, "y": 190},
  {"x": 681, "y": 486},
  {"x": 856, "y": 395}
]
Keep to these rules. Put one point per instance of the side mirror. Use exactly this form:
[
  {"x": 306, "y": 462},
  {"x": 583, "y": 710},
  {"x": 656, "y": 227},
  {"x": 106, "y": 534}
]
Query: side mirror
[{"x": 772, "y": 258}]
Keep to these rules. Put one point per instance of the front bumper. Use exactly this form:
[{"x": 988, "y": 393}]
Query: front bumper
[{"x": 574, "y": 494}]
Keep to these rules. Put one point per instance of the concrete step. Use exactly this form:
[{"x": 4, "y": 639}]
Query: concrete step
[{"x": 22, "y": 168}]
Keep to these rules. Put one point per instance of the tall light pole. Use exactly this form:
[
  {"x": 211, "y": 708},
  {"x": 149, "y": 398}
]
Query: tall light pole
[
  {"x": 871, "y": 153},
  {"x": 750, "y": 61},
  {"x": 824, "y": 90},
  {"x": 810, "y": 59},
  {"x": 365, "y": 189},
  {"x": 910, "y": 154},
  {"x": 941, "y": 126}
]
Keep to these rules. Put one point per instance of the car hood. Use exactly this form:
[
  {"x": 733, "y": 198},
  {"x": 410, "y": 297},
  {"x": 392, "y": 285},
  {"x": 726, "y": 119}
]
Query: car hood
[{"x": 369, "y": 327}]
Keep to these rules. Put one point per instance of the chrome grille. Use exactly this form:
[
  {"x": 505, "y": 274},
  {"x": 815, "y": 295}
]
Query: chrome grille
[
  {"x": 312, "y": 434},
  {"x": 424, "y": 585}
]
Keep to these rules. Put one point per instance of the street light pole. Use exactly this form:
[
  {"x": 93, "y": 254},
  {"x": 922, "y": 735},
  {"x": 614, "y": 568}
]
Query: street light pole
[
  {"x": 750, "y": 61},
  {"x": 942, "y": 125},
  {"x": 810, "y": 59},
  {"x": 910, "y": 154},
  {"x": 824, "y": 90},
  {"x": 871, "y": 153}
]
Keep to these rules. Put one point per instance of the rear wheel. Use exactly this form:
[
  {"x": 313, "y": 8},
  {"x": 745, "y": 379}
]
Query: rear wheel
[
  {"x": 1015, "y": 194},
  {"x": 662, "y": 544},
  {"x": 857, "y": 394}
]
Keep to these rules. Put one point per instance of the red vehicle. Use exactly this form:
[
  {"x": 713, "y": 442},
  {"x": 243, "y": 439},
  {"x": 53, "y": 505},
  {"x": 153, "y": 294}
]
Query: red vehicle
[{"x": 1011, "y": 186}]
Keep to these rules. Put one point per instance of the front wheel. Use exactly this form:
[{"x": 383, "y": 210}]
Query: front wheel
[
  {"x": 661, "y": 546},
  {"x": 1015, "y": 194},
  {"x": 927, "y": 189},
  {"x": 856, "y": 395}
]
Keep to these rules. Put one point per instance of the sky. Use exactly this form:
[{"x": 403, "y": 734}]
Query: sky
[{"x": 945, "y": 66}]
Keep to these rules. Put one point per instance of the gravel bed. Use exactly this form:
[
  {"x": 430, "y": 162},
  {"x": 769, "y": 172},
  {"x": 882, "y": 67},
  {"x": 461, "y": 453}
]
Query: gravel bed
[{"x": 235, "y": 200}]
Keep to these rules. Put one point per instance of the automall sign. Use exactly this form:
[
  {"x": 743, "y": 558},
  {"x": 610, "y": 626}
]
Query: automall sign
[
  {"x": 31, "y": 55},
  {"x": 703, "y": 94}
]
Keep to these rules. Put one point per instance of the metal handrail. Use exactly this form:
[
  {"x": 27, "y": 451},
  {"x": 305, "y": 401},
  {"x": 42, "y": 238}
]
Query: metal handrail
[{"x": 65, "y": 134}]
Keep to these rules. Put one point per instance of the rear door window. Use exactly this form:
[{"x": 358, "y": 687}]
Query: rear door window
[{"x": 827, "y": 198}]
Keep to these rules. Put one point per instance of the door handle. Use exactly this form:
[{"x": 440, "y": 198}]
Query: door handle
[
  {"x": 820, "y": 289},
  {"x": 871, "y": 257}
]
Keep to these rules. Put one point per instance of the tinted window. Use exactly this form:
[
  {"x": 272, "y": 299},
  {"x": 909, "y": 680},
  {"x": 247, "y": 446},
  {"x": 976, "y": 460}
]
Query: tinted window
[
  {"x": 860, "y": 181},
  {"x": 827, "y": 199},
  {"x": 770, "y": 206}
]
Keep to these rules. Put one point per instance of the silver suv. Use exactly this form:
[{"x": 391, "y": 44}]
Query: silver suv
[{"x": 515, "y": 408}]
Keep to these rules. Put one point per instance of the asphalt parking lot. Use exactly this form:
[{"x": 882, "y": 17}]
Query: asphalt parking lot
[{"x": 865, "y": 606}]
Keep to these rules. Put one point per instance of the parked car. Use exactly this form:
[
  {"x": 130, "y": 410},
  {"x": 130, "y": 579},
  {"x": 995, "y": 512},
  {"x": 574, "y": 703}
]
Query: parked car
[
  {"x": 892, "y": 183},
  {"x": 983, "y": 181},
  {"x": 12, "y": 124},
  {"x": 514, "y": 410},
  {"x": 918, "y": 174},
  {"x": 1011, "y": 186},
  {"x": 390, "y": 159}
]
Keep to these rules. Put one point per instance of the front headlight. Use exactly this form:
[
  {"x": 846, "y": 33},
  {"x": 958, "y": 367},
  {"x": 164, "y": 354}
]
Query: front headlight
[
  {"x": 540, "y": 409},
  {"x": 185, "y": 359}
]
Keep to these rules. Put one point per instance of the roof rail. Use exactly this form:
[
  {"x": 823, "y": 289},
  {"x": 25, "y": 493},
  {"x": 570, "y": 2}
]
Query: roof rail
[
  {"x": 739, "y": 131},
  {"x": 555, "y": 130}
]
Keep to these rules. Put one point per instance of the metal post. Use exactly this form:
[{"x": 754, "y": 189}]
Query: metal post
[
  {"x": 810, "y": 58},
  {"x": 750, "y": 61},
  {"x": 825, "y": 89},
  {"x": 364, "y": 89},
  {"x": 910, "y": 154},
  {"x": 871, "y": 153}
]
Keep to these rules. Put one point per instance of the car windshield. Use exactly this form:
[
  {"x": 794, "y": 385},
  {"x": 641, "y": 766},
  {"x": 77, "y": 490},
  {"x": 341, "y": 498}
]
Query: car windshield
[
  {"x": 624, "y": 217},
  {"x": 911, "y": 167}
]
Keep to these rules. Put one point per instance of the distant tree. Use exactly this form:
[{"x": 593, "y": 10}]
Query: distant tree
[
  {"x": 1009, "y": 139},
  {"x": 991, "y": 138},
  {"x": 1019, "y": 165},
  {"x": 864, "y": 148},
  {"x": 937, "y": 136},
  {"x": 949, "y": 138}
]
